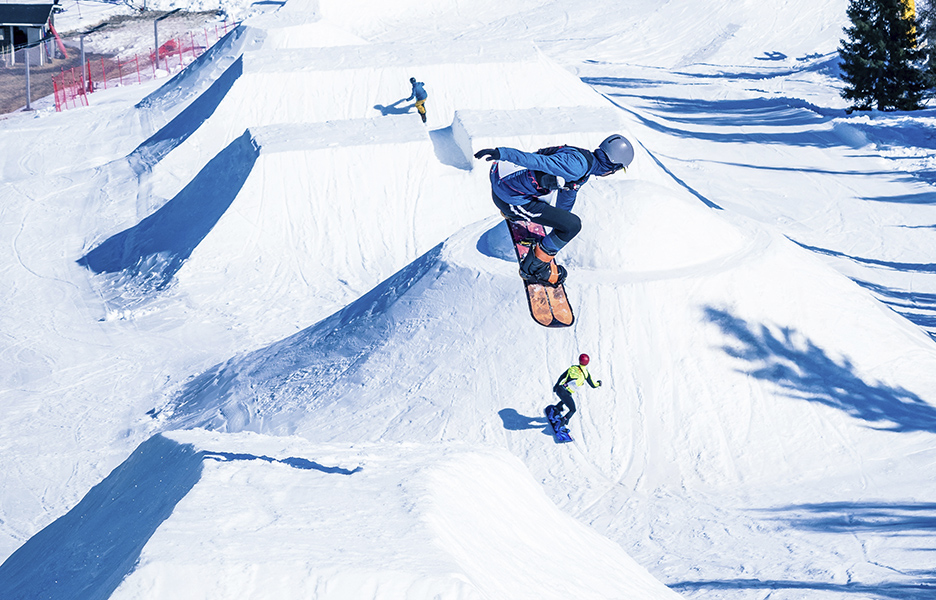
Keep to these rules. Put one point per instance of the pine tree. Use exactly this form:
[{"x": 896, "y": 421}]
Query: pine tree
[
  {"x": 881, "y": 62},
  {"x": 926, "y": 15}
]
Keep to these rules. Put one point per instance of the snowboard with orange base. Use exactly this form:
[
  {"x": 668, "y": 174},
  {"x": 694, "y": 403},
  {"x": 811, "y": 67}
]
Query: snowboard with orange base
[{"x": 549, "y": 305}]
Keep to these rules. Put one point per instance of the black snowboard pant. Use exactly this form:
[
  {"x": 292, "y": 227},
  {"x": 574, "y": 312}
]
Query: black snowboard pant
[
  {"x": 565, "y": 399},
  {"x": 564, "y": 224}
]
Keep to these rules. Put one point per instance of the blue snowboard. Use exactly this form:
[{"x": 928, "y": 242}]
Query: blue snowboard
[{"x": 560, "y": 431}]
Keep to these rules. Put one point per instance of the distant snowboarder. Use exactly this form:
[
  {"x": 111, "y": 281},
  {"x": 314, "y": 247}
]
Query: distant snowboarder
[
  {"x": 573, "y": 377},
  {"x": 419, "y": 92},
  {"x": 519, "y": 193}
]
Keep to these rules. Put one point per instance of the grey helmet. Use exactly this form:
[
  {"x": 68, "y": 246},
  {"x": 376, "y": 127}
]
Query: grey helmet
[{"x": 618, "y": 149}]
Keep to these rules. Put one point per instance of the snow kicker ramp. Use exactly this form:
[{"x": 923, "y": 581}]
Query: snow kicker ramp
[
  {"x": 197, "y": 515},
  {"x": 714, "y": 408},
  {"x": 305, "y": 85},
  {"x": 287, "y": 222}
]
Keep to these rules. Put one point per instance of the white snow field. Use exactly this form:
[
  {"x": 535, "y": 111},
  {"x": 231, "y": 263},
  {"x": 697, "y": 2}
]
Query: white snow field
[{"x": 263, "y": 335}]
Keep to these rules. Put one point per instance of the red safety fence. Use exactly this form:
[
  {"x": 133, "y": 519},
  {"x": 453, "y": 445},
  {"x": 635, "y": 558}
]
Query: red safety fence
[{"x": 72, "y": 87}]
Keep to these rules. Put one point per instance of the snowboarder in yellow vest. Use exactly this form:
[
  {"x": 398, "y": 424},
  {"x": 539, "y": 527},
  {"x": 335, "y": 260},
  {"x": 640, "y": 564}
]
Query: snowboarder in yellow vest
[{"x": 573, "y": 378}]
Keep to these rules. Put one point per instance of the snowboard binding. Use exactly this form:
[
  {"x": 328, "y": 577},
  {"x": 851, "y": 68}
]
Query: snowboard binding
[{"x": 538, "y": 266}]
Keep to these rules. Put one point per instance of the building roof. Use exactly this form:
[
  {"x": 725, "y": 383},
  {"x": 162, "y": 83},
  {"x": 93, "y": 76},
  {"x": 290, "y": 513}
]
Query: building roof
[{"x": 25, "y": 15}]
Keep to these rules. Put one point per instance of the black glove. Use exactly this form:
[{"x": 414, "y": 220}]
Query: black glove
[
  {"x": 490, "y": 153},
  {"x": 599, "y": 383}
]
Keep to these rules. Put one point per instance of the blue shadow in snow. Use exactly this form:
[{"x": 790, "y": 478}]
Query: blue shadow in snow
[
  {"x": 85, "y": 554},
  {"x": 514, "y": 421},
  {"x": 750, "y": 111},
  {"x": 905, "y": 518},
  {"x": 187, "y": 122},
  {"x": 806, "y": 372},
  {"x": 294, "y": 462},
  {"x": 685, "y": 185},
  {"x": 395, "y": 108},
  {"x": 217, "y": 400},
  {"x": 771, "y": 56},
  {"x": 782, "y": 115},
  {"x": 849, "y": 518},
  {"x": 894, "y": 266},
  {"x": 917, "y": 307},
  {"x": 923, "y": 590},
  {"x": 155, "y": 249},
  {"x": 921, "y": 198}
]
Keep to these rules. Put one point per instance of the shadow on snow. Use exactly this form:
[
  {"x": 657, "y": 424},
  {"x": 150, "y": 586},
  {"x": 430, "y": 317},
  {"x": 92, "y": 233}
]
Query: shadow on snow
[
  {"x": 892, "y": 590},
  {"x": 806, "y": 372},
  {"x": 294, "y": 462},
  {"x": 514, "y": 421},
  {"x": 85, "y": 554},
  {"x": 849, "y": 518},
  {"x": 185, "y": 123},
  {"x": 917, "y": 307},
  {"x": 153, "y": 251}
]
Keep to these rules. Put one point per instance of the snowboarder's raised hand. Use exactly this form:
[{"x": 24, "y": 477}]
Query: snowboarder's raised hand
[{"x": 490, "y": 153}]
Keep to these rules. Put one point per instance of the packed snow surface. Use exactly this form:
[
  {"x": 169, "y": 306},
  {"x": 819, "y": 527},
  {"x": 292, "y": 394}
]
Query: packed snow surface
[{"x": 263, "y": 334}]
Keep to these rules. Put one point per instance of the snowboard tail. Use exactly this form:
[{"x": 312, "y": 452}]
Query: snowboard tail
[{"x": 549, "y": 305}]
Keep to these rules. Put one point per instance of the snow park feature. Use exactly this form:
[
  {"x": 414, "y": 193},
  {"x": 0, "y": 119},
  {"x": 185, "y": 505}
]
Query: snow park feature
[{"x": 262, "y": 334}]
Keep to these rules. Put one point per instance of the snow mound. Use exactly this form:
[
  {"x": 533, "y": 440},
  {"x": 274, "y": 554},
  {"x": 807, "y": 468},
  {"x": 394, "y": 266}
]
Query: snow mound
[
  {"x": 630, "y": 229},
  {"x": 637, "y": 227},
  {"x": 197, "y": 515}
]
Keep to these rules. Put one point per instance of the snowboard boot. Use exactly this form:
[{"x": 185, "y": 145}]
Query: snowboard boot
[{"x": 539, "y": 266}]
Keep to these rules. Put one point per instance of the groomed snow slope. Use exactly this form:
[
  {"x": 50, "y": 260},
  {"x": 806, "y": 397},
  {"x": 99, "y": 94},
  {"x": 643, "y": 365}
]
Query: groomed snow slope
[
  {"x": 273, "y": 86},
  {"x": 380, "y": 521},
  {"x": 804, "y": 401},
  {"x": 763, "y": 427}
]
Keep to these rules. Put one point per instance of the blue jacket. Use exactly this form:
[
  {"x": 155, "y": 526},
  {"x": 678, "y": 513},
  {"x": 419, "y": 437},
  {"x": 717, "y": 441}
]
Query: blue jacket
[
  {"x": 419, "y": 92},
  {"x": 521, "y": 187}
]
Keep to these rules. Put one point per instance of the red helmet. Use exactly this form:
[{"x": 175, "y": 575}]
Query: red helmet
[{"x": 583, "y": 359}]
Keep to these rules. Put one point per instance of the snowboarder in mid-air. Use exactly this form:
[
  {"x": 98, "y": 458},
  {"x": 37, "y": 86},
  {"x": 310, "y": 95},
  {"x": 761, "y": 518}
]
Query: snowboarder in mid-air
[
  {"x": 573, "y": 377},
  {"x": 519, "y": 193},
  {"x": 419, "y": 92}
]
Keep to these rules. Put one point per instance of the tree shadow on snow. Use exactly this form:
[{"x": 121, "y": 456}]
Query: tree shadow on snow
[
  {"x": 865, "y": 519},
  {"x": 924, "y": 589},
  {"x": 917, "y": 307},
  {"x": 806, "y": 372}
]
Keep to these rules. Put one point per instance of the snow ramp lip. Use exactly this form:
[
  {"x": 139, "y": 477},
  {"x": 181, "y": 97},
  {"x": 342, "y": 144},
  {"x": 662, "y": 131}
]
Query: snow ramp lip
[
  {"x": 158, "y": 245},
  {"x": 218, "y": 398},
  {"x": 107, "y": 529}
]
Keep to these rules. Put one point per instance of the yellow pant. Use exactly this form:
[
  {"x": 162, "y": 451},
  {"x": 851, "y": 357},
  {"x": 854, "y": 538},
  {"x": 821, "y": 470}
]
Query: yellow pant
[{"x": 421, "y": 106}]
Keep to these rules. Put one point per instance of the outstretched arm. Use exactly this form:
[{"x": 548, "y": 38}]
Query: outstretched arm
[{"x": 568, "y": 165}]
